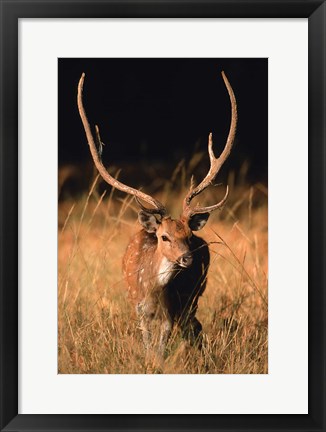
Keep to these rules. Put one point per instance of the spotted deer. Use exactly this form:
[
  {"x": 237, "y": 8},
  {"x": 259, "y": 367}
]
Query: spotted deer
[{"x": 165, "y": 264}]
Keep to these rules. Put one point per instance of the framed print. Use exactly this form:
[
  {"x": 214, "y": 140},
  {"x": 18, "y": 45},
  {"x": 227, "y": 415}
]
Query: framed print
[{"x": 116, "y": 314}]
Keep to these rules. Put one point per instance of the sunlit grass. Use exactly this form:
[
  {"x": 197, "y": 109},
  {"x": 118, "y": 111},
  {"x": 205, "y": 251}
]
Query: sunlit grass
[{"x": 98, "y": 330}]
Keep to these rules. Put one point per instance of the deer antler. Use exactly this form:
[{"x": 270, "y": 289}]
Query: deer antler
[
  {"x": 215, "y": 163},
  {"x": 96, "y": 154}
]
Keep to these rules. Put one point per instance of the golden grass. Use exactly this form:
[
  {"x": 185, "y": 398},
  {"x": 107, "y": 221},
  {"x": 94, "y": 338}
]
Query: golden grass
[{"x": 97, "y": 327}]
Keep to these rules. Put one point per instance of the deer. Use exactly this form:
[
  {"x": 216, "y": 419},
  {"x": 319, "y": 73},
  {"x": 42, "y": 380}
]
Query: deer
[{"x": 165, "y": 264}]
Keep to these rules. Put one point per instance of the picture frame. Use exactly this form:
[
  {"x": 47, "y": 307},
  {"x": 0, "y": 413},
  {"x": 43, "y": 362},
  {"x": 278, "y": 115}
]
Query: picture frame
[{"x": 10, "y": 13}]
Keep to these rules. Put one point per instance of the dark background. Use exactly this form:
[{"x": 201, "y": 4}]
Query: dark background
[{"x": 161, "y": 110}]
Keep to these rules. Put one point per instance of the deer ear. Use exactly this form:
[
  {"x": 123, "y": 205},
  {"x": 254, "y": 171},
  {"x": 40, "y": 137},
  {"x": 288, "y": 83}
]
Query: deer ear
[
  {"x": 198, "y": 221},
  {"x": 148, "y": 221}
]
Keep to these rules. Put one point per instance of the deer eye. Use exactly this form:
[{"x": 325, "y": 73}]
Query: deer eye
[{"x": 165, "y": 238}]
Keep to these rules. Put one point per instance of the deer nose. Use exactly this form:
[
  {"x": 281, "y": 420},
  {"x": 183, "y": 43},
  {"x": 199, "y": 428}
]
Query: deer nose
[{"x": 185, "y": 260}]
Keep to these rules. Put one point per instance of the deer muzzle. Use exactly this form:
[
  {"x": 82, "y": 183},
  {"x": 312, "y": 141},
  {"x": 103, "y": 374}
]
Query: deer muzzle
[{"x": 185, "y": 260}]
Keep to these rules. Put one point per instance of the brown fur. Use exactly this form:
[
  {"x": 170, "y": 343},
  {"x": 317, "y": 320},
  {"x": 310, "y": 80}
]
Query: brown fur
[{"x": 159, "y": 286}]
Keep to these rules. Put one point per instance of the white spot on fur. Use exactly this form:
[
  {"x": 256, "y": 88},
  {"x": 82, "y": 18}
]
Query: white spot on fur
[
  {"x": 142, "y": 271},
  {"x": 140, "y": 279},
  {"x": 165, "y": 271}
]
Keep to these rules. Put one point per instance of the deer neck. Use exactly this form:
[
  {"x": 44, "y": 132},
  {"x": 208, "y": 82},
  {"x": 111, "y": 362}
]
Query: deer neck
[{"x": 164, "y": 269}]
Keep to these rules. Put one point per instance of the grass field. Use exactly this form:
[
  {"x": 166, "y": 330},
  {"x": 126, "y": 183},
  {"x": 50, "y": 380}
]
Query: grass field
[{"x": 97, "y": 328}]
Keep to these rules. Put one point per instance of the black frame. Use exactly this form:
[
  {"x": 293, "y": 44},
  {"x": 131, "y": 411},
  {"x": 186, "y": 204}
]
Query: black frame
[{"x": 11, "y": 11}]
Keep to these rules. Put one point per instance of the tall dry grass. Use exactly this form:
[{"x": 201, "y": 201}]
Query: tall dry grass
[{"x": 97, "y": 327}]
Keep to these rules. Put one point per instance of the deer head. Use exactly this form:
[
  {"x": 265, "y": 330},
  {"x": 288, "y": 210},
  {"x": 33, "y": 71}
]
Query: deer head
[{"x": 172, "y": 235}]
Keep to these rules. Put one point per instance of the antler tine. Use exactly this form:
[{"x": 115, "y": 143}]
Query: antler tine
[
  {"x": 188, "y": 211},
  {"x": 96, "y": 155},
  {"x": 215, "y": 163}
]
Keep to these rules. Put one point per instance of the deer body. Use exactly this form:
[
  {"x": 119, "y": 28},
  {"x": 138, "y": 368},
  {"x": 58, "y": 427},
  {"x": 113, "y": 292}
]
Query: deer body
[
  {"x": 165, "y": 285},
  {"x": 166, "y": 264}
]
